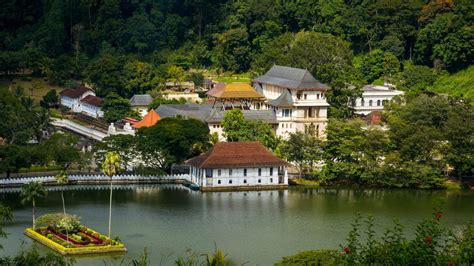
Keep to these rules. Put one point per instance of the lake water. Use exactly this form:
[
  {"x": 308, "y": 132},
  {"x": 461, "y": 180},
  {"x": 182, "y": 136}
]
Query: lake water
[{"x": 254, "y": 227}]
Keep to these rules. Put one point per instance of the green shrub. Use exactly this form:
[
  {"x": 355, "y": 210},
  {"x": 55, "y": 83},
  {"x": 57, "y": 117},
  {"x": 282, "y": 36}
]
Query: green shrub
[
  {"x": 313, "y": 257},
  {"x": 50, "y": 236}
]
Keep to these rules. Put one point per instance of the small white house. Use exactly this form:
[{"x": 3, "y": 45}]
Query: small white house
[
  {"x": 91, "y": 106},
  {"x": 71, "y": 97},
  {"x": 238, "y": 165},
  {"x": 374, "y": 98},
  {"x": 140, "y": 102}
]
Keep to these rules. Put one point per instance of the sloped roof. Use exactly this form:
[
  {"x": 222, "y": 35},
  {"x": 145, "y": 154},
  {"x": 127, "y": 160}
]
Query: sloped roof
[
  {"x": 236, "y": 154},
  {"x": 93, "y": 100},
  {"x": 284, "y": 100},
  {"x": 74, "y": 93},
  {"x": 205, "y": 113},
  {"x": 234, "y": 90},
  {"x": 149, "y": 120},
  {"x": 141, "y": 100},
  {"x": 292, "y": 78}
]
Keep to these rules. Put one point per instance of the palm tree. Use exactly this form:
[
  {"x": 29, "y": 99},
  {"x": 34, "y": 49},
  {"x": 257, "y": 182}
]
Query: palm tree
[
  {"x": 62, "y": 178},
  {"x": 110, "y": 167},
  {"x": 30, "y": 192}
]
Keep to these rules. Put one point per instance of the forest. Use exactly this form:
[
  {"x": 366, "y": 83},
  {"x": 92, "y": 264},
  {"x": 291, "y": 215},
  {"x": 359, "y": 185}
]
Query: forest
[{"x": 129, "y": 46}]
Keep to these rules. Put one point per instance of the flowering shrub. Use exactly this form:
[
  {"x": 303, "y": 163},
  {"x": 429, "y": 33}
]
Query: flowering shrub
[{"x": 432, "y": 245}]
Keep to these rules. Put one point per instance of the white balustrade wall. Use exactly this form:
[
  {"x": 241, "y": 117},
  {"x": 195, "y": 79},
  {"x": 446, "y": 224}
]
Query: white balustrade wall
[{"x": 4, "y": 182}]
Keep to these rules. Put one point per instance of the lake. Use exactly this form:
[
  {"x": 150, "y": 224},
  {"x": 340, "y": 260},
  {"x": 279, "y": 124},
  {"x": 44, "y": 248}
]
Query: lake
[{"x": 254, "y": 227}]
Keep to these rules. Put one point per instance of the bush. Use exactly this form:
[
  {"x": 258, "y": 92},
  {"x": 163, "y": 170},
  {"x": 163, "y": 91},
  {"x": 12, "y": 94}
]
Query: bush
[
  {"x": 313, "y": 257},
  {"x": 50, "y": 236}
]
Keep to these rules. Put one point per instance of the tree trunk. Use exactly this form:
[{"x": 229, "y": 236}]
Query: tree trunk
[
  {"x": 34, "y": 222},
  {"x": 64, "y": 205},
  {"x": 110, "y": 207}
]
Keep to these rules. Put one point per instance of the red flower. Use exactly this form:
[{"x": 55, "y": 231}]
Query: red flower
[
  {"x": 438, "y": 215},
  {"x": 450, "y": 263},
  {"x": 429, "y": 240},
  {"x": 347, "y": 250}
]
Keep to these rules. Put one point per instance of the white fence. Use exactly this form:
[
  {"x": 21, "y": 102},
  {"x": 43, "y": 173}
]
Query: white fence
[{"x": 95, "y": 179}]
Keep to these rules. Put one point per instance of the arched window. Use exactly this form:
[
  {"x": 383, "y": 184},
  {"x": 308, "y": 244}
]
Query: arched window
[
  {"x": 378, "y": 102},
  {"x": 245, "y": 181},
  {"x": 362, "y": 102},
  {"x": 370, "y": 103},
  {"x": 218, "y": 182},
  {"x": 230, "y": 181},
  {"x": 260, "y": 181}
]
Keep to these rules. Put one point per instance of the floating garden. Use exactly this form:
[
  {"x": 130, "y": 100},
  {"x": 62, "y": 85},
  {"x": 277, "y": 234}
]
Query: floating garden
[{"x": 64, "y": 234}]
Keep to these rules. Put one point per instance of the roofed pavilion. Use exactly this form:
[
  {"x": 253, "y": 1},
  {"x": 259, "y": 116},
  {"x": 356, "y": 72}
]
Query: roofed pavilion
[{"x": 236, "y": 94}]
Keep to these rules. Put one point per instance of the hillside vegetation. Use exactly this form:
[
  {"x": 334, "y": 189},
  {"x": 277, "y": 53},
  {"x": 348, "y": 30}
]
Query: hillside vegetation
[{"x": 458, "y": 84}]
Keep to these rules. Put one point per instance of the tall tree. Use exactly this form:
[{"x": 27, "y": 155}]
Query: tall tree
[
  {"x": 110, "y": 167},
  {"x": 30, "y": 193}
]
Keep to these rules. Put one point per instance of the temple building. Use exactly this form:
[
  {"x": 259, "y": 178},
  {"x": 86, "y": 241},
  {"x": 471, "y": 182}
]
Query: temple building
[
  {"x": 238, "y": 164},
  {"x": 149, "y": 120},
  {"x": 296, "y": 97},
  {"x": 234, "y": 95}
]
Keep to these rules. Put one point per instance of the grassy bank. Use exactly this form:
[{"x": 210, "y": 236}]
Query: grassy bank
[{"x": 33, "y": 87}]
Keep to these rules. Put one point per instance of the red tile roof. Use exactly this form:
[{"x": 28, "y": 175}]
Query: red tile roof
[
  {"x": 93, "y": 100},
  {"x": 236, "y": 154},
  {"x": 74, "y": 93}
]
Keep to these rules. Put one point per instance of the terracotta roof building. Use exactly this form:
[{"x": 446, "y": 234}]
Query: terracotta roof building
[
  {"x": 238, "y": 164},
  {"x": 149, "y": 120},
  {"x": 92, "y": 106},
  {"x": 75, "y": 93},
  {"x": 82, "y": 100}
]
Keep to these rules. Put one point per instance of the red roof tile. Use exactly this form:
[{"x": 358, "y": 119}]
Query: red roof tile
[
  {"x": 236, "y": 154},
  {"x": 149, "y": 120}
]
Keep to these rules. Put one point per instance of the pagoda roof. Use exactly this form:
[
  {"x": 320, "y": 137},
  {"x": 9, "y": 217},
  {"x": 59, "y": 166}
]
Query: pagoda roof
[
  {"x": 149, "y": 120},
  {"x": 292, "y": 78},
  {"x": 284, "y": 100},
  {"x": 234, "y": 91}
]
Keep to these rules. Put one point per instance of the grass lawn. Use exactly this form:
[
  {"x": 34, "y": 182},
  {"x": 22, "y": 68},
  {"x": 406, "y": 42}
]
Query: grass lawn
[{"x": 33, "y": 87}]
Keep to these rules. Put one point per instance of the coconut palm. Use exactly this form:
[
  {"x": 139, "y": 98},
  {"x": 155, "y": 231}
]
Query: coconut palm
[
  {"x": 30, "y": 192},
  {"x": 110, "y": 167}
]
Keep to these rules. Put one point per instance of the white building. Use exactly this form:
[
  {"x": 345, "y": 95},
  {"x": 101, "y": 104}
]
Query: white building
[
  {"x": 71, "y": 97},
  {"x": 140, "y": 102},
  {"x": 238, "y": 165},
  {"x": 297, "y": 98},
  {"x": 92, "y": 106},
  {"x": 374, "y": 98}
]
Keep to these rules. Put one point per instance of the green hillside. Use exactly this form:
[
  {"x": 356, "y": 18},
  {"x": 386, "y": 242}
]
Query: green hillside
[{"x": 459, "y": 83}]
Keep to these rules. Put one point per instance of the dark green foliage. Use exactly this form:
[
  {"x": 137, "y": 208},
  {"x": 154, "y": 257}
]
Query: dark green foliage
[
  {"x": 237, "y": 128},
  {"x": 378, "y": 64},
  {"x": 115, "y": 107},
  {"x": 172, "y": 140},
  {"x": 13, "y": 157},
  {"x": 415, "y": 79},
  {"x": 160, "y": 100},
  {"x": 32, "y": 257},
  {"x": 5, "y": 216},
  {"x": 50, "y": 99}
]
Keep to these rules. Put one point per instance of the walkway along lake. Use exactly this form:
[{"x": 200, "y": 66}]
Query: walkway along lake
[{"x": 254, "y": 227}]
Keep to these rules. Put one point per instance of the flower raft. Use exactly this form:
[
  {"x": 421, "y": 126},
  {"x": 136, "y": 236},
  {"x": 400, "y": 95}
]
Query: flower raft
[{"x": 78, "y": 240}]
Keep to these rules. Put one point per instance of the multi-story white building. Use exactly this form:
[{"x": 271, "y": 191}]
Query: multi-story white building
[
  {"x": 238, "y": 164},
  {"x": 374, "y": 98},
  {"x": 92, "y": 106},
  {"x": 296, "y": 97}
]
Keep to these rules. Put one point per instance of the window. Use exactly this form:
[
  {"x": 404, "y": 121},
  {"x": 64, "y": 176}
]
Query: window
[
  {"x": 286, "y": 112},
  {"x": 219, "y": 172},
  {"x": 384, "y": 102},
  {"x": 245, "y": 181},
  {"x": 230, "y": 181},
  {"x": 310, "y": 112},
  {"x": 378, "y": 102},
  {"x": 208, "y": 172},
  {"x": 317, "y": 96},
  {"x": 370, "y": 103},
  {"x": 259, "y": 171},
  {"x": 317, "y": 112},
  {"x": 362, "y": 102},
  {"x": 271, "y": 170},
  {"x": 218, "y": 182},
  {"x": 271, "y": 180},
  {"x": 306, "y": 96},
  {"x": 298, "y": 95},
  {"x": 245, "y": 172},
  {"x": 230, "y": 172},
  {"x": 259, "y": 181}
]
